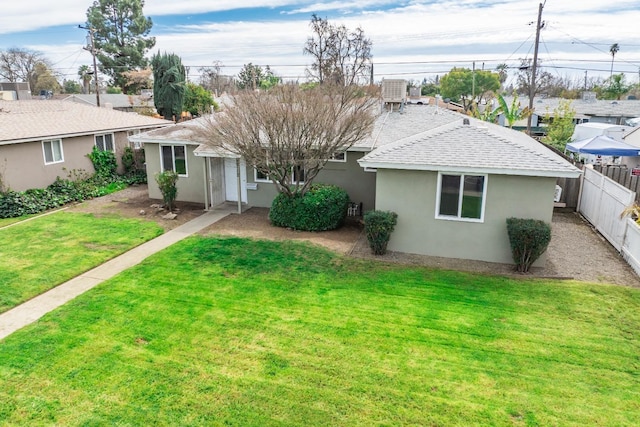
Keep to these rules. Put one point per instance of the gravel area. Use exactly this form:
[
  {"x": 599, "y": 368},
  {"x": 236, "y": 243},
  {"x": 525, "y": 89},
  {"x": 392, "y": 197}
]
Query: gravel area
[{"x": 576, "y": 250}]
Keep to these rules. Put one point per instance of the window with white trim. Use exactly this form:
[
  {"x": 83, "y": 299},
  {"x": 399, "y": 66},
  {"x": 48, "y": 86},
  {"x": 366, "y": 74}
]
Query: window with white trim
[
  {"x": 461, "y": 196},
  {"x": 260, "y": 176},
  {"x": 174, "y": 158},
  {"x": 52, "y": 151},
  {"x": 105, "y": 142},
  {"x": 298, "y": 174},
  {"x": 339, "y": 157},
  {"x": 136, "y": 145}
]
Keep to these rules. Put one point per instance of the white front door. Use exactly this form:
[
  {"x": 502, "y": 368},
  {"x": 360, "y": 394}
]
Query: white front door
[
  {"x": 231, "y": 180},
  {"x": 216, "y": 181}
]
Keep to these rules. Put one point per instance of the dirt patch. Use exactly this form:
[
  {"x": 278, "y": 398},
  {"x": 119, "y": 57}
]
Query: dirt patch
[
  {"x": 576, "y": 250},
  {"x": 255, "y": 223},
  {"x": 134, "y": 202}
]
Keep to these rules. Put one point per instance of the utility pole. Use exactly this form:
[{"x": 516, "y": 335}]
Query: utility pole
[
  {"x": 532, "y": 84},
  {"x": 473, "y": 82},
  {"x": 95, "y": 66},
  {"x": 585, "y": 79}
]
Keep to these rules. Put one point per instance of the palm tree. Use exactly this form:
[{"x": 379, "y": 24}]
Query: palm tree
[
  {"x": 86, "y": 74},
  {"x": 613, "y": 50}
]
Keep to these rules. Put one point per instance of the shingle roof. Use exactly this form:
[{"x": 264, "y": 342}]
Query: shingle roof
[
  {"x": 596, "y": 107},
  {"x": 117, "y": 100},
  {"x": 22, "y": 121},
  {"x": 183, "y": 132},
  {"x": 477, "y": 147},
  {"x": 189, "y": 133},
  {"x": 392, "y": 125}
]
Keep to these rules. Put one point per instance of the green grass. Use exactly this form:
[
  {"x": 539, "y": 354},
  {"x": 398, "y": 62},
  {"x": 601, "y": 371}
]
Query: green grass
[
  {"x": 239, "y": 332},
  {"x": 39, "y": 254},
  {"x": 8, "y": 221}
]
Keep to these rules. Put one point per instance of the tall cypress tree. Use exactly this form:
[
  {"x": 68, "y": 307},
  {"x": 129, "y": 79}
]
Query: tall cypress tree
[{"x": 168, "y": 84}]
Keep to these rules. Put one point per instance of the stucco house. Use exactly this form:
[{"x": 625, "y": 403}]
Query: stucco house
[
  {"x": 452, "y": 180},
  {"x": 43, "y": 139},
  {"x": 210, "y": 177},
  {"x": 453, "y": 188}
]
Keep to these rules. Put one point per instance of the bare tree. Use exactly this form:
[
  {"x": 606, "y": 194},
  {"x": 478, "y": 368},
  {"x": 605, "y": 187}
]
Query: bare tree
[
  {"x": 288, "y": 133},
  {"x": 544, "y": 79},
  {"x": 340, "y": 56},
  {"x": 20, "y": 65},
  {"x": 212, "y": 79}
]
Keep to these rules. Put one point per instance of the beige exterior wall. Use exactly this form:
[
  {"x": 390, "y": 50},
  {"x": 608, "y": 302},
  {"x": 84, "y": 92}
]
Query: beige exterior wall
[
  {"x": 360, "y": 185},
  {"x": 190, "y": 188},
  {"x": 412, "y": 195},
  {"x": 22, "y": 165}
]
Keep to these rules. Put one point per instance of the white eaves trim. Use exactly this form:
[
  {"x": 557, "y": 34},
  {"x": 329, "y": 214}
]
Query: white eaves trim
[
  {"x": 464, "y": 169},
  {"x": 143, "y": 140}
]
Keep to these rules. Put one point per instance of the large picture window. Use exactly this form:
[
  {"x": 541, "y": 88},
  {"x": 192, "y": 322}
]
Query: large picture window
[
  {"x": 461, "y": 196},
  {"x": 174, "y": 158},
  {"x": 52, "y": 151},
  {"x": 105, "y": 142}
]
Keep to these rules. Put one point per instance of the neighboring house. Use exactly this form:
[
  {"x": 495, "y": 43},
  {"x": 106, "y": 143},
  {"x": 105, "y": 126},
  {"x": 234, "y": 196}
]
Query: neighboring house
[
  {"x": 587, "y": 110},
  {"x": 117, "y": 101},
  {"x": 453, "y": 188},
  {"x": 44, "y": 139}
]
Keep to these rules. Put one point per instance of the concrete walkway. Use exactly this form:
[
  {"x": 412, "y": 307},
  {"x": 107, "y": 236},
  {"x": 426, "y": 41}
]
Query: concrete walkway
[{"x": 30, "y": 311}]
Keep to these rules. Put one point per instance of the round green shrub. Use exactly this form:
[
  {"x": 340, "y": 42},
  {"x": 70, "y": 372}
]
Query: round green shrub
[
  {"x": 529, "y": 239},
  {"x": 378, "y": 226},
  {"x": 323, "y": 207}
]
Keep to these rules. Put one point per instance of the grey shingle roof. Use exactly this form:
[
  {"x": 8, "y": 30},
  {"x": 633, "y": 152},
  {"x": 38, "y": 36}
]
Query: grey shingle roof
[
  {"x": 477, "y": 147},
  {"x": 22, "y": 121},
  {"x": 183, "y": 133},
  {"x": 598, "y": 107},
  {"x": 393, "y": 125}
]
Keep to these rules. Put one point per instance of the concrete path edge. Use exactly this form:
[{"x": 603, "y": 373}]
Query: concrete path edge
[{"x": 32, "y": 310}]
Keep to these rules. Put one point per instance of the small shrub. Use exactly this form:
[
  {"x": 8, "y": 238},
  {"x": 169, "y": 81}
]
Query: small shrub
[
  {"x": 529, "y": 239},
  {"x": 323, "y": 207},
  {"x": 104, "y": 163},
  {"x": 167, "y": 183},
  {"x": 128, "y": 161},
  {"x": 378, "y": 226}
]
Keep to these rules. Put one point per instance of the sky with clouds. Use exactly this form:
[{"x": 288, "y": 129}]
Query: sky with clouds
[{"x": 412, "y": 39}]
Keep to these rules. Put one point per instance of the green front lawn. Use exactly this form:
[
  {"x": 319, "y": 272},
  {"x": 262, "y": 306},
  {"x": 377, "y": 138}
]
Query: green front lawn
[
  {"x": 239, "y": 332},
  {"x": 42, "y": 253}
]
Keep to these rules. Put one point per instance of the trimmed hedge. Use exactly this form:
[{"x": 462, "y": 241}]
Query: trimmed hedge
[
  {"x": 529, "y": 239},
  {"x": 323, "y": 207},
  {"x": 378, "y": 226}
]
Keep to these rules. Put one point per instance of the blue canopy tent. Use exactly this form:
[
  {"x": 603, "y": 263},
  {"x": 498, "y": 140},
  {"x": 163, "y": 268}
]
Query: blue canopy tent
[{"x": 604, "y": 146}]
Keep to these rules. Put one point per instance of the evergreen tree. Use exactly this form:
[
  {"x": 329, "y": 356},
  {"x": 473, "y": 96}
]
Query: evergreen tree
[
  {"x": 120, "y": 37},
  {"x": 197, "y": 100},
  {"x": 168, "y": 84}
]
